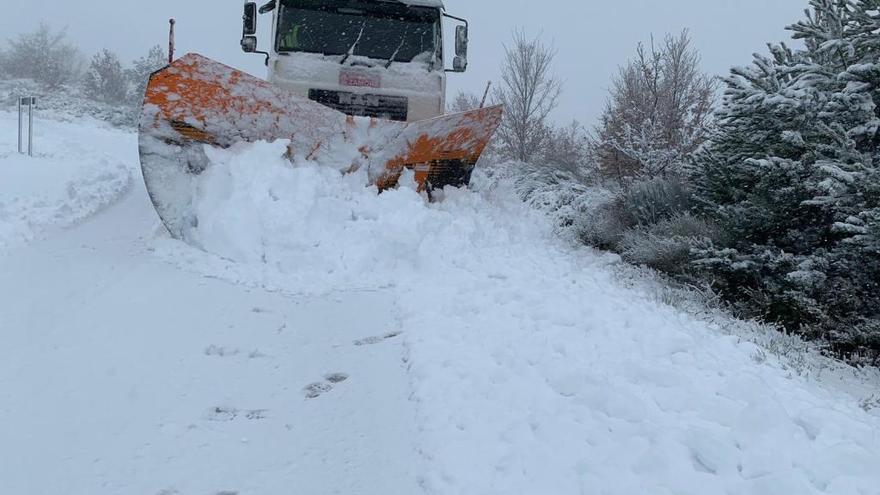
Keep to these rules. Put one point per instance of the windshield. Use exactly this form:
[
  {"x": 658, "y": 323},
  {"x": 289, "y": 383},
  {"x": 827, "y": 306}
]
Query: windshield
[{"x": 380, "y": 30}]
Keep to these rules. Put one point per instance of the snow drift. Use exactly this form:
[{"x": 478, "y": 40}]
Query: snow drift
[
  {"x": 533, "y": 370},
  {"x": 320, "y": 230},
  {"x": 73, "y": 175}
]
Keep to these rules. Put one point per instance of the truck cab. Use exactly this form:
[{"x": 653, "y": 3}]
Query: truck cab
[{"x": 370, "y": 58}]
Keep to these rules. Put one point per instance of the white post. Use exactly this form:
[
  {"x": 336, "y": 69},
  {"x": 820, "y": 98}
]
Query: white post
[
  {"x": 31, "y": 127},
  {"x": 20, "y": 122},
  {"x": 30, "y": 103}
]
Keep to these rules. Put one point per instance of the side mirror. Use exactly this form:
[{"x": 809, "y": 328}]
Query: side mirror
[
  {"x": 461, "y": 41},
  {"x": 250, "y": 19},
  {"x": 249, "y": 44},
  {"x": 459, "y": 64}
]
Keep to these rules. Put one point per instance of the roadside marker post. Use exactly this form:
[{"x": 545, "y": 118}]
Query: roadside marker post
[{"x": 29, "y": 102}]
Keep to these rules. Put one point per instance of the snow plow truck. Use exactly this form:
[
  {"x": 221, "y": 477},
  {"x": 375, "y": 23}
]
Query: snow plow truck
[{"x": 343, "y": 75}]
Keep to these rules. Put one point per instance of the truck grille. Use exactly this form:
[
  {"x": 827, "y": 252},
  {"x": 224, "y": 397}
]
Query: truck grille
[{"x": 381, "y": 106}]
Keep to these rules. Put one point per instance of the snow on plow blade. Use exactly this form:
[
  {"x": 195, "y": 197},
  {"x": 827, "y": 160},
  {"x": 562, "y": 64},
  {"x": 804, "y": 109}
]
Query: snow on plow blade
[{"x": 196, "y": 103}]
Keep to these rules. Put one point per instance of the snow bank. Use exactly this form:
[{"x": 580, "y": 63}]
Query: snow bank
[
  {"x": 533, "y": 369},
  {"x": 76, "y": 171}
]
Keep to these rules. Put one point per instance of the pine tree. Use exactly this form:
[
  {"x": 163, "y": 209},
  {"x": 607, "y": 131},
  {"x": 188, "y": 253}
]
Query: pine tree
[
  {"x": 791, "y": 174},
  {"x": 464, "y": 102},
  {"x": 139, "y": 74}
]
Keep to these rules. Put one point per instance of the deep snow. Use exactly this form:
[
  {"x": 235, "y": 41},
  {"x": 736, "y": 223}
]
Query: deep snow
[
  {"x": 481, "y": 355},
  {"x": 534, "y": 371},
  {"x": 121, "y": 374},
  {"x": 73, "y": 173}
]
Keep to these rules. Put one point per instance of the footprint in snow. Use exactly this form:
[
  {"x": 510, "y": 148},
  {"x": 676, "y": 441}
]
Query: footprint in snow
[
  {"x": 217, "y": 351},
  {"x": 224, "y": 414},
  {"x": 376, "y": 340},
  {"x": 317, "y": 389},
  {"x": 336, "y": 377},
  {"x": 223, "y": 352}
]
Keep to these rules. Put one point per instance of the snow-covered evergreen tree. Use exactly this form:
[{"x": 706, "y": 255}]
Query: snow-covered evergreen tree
[
  {"x": 139, "y": 74},
  {"x": 44, "y": 56},
  {"x": 464, "y": 101},
  {"x": 791, "y": 174},
  {"x": 105, "y": 80}
]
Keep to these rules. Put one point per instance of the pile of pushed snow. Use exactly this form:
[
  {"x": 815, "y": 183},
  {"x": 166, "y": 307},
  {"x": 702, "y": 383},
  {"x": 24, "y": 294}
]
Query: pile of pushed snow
[
  {"x": 314, "y": 229},
  {"x": 532, "y": 368},
  {"x": 76, "y": 171}
]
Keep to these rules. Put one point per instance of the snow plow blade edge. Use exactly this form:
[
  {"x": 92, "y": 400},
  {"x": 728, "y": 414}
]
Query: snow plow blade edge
[{"x": 196, "y": 103}]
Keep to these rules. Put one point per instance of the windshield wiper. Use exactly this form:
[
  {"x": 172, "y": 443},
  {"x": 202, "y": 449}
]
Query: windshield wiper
[
  {"x": 394, "y": 55},
  {"x": 358, "y": 40}
]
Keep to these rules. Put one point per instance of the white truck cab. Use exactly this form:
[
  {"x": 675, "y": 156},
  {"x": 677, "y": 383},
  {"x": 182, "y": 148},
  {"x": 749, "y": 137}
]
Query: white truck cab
[{"x": 371, "y": 58}]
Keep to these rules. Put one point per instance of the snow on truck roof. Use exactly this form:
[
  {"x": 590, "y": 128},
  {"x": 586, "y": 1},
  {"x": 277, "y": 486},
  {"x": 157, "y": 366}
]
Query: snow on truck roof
[{"x": 424, "y": 3}]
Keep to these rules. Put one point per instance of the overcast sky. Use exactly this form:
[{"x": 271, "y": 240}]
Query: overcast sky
[{"x": 593, "y": 37}]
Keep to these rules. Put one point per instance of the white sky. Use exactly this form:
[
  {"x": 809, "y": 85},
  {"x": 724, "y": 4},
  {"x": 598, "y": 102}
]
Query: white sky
[{"x": 593, "y": 37}]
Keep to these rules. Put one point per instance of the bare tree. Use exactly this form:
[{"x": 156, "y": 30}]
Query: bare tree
[
  {"x": 463, "y": 102},
  {"x": 529, "y": 92},
  {"x": 658, "y": 113},
  {"x": 43, "y": 55},
  {"x": 105, "y": 80},
  {"x": 568, "y": 148}
]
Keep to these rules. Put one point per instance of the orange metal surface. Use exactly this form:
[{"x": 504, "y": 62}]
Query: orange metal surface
[
  {"x": 195, "y": 102},
  {"x": 436, "y": 144},
  {"x": 219, "y": 105}
]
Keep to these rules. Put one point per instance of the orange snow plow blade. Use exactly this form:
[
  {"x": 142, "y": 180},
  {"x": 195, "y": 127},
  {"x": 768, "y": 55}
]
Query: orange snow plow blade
[{"x": 196, "y": 103}]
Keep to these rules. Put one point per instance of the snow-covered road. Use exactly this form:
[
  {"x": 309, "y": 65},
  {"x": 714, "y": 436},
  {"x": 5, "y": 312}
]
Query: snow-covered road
[
  {"x": 364, "y": 344},
  {"x": 77, "y": 170},
  {"x": 122, "y": 374}
]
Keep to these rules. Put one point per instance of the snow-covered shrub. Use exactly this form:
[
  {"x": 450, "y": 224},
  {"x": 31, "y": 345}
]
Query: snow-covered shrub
[
  {"x": 105, "y": 79},
  {"x": 668, "y": 254},
  {"x": 642, "y": 205},
  {"x": 43, "y": 56},
  {"x": 604, "y": 226},
  {"x": 653, "y": 200},
  {"x": 66, "y": 103},
  {"x": 667, "y": 244},
  {"x": 568, "y": 147},
  {"x": 554, "y": 190}
]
